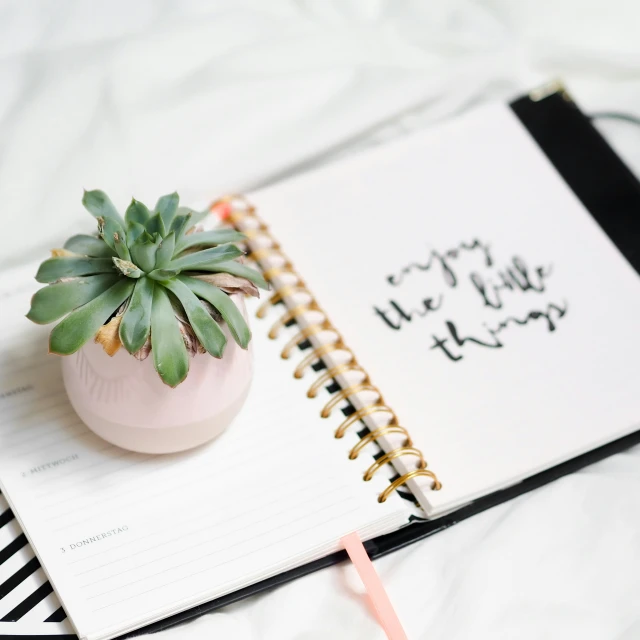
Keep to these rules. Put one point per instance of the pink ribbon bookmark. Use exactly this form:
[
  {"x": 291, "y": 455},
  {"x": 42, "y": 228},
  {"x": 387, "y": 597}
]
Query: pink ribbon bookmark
[{"x": 387, "y": 616}]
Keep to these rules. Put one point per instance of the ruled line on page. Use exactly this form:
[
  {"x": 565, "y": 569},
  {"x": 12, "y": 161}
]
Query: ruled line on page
[
  {"x": 120, "y": 458},
  {"x": 269, "y": 493},
  {"x": 292, "y": 494},
  {"x": 35, "y": 362},
  {"x": 145, "y": 458},
  {"x": 225, "y": 551},
  {"x": 249, "y": 538},
  {"x": 30, "y": 407},
  {"x": 226, "y": 562},
  {"x": 254, "y": 521},
  {"x": 27, "y": 403},
  {"x": 76, "y": 436},
  {"x": 265, "y": 446},
  {"x": 72, "y": 425},
  {"x": 87, "y": 514},
  {"x": 122, "y": 454},
  {"x": 30, "y": 420},
  {"x": 37, "y": 421}
]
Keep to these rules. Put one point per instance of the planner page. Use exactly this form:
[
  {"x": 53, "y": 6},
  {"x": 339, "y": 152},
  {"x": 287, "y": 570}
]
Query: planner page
[
  {"x": 497, "y": 319},
  {"x": 126, "y": 538}
]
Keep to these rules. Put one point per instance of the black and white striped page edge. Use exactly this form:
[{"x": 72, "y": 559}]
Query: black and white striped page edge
[{"x": 28, "y": 606}]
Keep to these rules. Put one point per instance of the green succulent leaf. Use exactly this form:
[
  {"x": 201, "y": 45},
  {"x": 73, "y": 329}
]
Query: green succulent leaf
[
  {"x": 167, "y": 207},
  {"x": 121, "y": 246},
  {"x": 108, "y": 230},
  {"x": 98, "y": 204},
  {"x": 127, "y": 268},
  {"x": 163, "y": 274},
  {"x": 136, "y": 321},
  {"x": 224, "y": 304},
  {"x": 196, "y": 216},
  {"x": 68, "y": 267},
  {"x": 82, "y": 324},
  {"x": 205, "y": 327},
  {"x": 165, "y": 251},
  {"x": 88, "y": 246},
  {"x": 169, "y": 352},
  {"x": 134, "y": 231},
  {"x": 143, "y": 254},
  {"x": 144, "y": 262},
  {"x": 136, "y": 212},
  {"x": 240, "y": 270},
  {"x": 212, "y": 238},
  {"x": 56, "y": 300},
  {"x": 180, "y": 224},
  {"x": 155, "y": 224},
  {"x": 157, "y": 240},
  {"x": 202, "y": 259}
]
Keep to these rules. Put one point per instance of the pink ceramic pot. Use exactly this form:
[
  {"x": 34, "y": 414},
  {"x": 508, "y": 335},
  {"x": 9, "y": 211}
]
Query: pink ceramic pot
[{"x": 124, "y": 401}]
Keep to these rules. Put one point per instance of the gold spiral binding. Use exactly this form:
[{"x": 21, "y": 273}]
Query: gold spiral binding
[
  {"x": 263, "y": 252},
  {"x": 241, "y": 212},
  {"x": 230, "y": 198},
  {"x": 344, "y": 393},
  {"x": 356, "y": 416},
  {"x": 317, "y": 354},
  {"x": 302, "y": 335},
  {"x": 261, "y": 229},
  {"x": 272, "y": 272},
  {"x": 392, "y": 455},
  {"x": 330, "y": 374},
  {"x": 372, "y": 436},
  {"x": 416, "y": 473},
  {"x": 283, "y": 292},
  {"x": 291, "y": 314}
]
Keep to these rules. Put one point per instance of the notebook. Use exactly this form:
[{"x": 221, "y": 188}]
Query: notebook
[{"x": 453, "y": 322}]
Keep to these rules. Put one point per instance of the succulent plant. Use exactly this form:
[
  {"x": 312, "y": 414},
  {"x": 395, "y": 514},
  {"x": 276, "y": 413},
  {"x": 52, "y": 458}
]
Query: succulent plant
[{"x": 154, "y": 282}]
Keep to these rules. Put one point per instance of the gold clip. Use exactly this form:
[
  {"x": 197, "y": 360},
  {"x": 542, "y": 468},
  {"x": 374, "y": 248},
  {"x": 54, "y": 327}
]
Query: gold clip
[{"x": 548, "y": 89}]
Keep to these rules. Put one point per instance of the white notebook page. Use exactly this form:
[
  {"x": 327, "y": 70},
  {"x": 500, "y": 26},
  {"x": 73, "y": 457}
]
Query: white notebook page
[
  {"x": 487, "y": 416},
  {"x": 127, "y": 538}
]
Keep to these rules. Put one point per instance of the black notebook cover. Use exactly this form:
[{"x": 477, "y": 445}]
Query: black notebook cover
[{"x": 611, "y": 193}]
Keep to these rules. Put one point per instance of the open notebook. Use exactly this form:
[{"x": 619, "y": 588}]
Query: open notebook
[{"x": 453, "y": 322}]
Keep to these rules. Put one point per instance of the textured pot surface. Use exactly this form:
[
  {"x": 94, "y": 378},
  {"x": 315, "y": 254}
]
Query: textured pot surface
[{"x": 124, "y": 400}]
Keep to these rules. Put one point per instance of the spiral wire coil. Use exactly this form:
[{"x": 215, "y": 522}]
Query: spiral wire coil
[{"x": 237, "y": 211}]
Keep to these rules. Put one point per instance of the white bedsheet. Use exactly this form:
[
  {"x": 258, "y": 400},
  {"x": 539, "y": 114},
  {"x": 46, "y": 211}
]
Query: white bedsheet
[{"x": 144, "y": 97}]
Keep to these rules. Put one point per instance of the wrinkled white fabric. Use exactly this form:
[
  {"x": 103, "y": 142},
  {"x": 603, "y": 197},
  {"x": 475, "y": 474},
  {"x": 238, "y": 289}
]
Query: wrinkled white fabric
[{"x": 141, "y": 98}]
